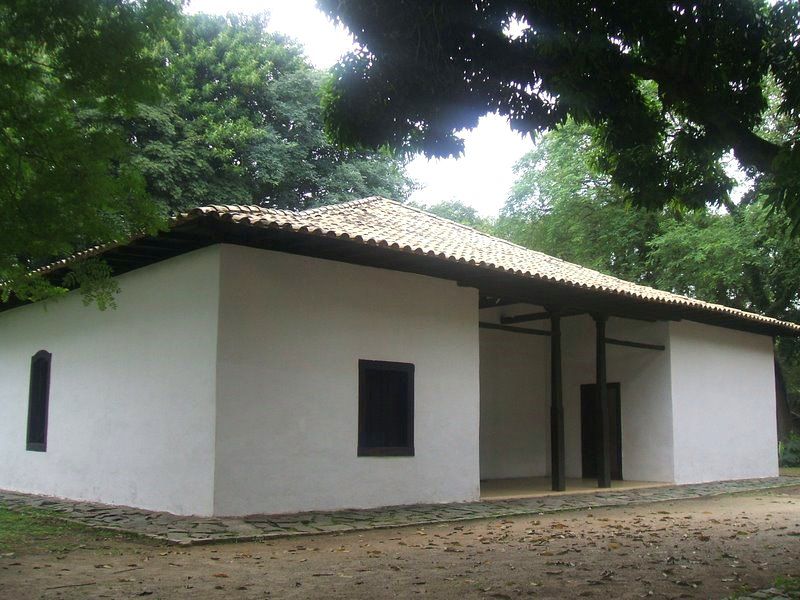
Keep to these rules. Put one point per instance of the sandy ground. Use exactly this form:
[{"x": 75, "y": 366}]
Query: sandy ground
[{"x": 708, "y": 548}]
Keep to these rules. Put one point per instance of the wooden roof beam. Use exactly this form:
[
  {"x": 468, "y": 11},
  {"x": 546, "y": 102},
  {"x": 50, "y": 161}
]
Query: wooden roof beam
[
  {"x": 629, "y": 344},
  {"x": 539, "y": 316},
  {"x": 506, "y": 328}
]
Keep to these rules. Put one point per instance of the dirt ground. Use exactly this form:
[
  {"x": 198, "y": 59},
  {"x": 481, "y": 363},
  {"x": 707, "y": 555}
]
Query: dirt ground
[{"x": 709, "y": 548}]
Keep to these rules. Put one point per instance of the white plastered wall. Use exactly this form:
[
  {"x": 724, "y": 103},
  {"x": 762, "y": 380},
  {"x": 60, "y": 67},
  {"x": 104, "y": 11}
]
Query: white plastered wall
[
  {"x": 132, "y": 404},
  {"x": 723, "y": 394},
  {"x": 644, "y": 381},
  {"x": 514, "y": 383},
  {"x": 292, "y": 330},
  {"x": 131, "y": 412}
]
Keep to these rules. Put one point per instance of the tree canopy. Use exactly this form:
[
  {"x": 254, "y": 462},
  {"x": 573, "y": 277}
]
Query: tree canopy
[
  {"x": 115, "y": 114},
  {"x": 560, "y": 204},
  {"x": 459, "y": 212},
  {"x": 68, "y": 70},
  {"x": 741, "y": 255},
  {"x": 242, "y": 124},
  {"x": 667, "y": 86}
]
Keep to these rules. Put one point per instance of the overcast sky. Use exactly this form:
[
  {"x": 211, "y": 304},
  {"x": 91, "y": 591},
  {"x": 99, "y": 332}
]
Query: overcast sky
[{"x": 480, "y": 178}]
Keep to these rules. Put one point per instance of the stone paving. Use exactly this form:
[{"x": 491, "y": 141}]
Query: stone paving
[
  {"x": 203, "y": 530},
  {"x": 771, "y": 594}
]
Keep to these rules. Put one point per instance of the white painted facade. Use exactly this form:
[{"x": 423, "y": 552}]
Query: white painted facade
[
  {"x": 292, "y": 330},
  {"x": 226, "y": 382},
  {"x": 515, "y": 401},
  {"x": 515, "y": 396},
  {"x": 723, "y": 396},
  {"x": 131, "y": 411},
  {"x": 643, "y": 376}
]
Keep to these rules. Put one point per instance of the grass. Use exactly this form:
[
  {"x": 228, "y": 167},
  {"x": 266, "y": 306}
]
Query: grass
[
  {"x": 33, "y": 531},
  {"x": 790, "y": 471},
  {"x": 786, "y": 584}
]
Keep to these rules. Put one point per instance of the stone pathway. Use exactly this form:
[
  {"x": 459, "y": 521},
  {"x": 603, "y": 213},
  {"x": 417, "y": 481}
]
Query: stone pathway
[
  {"x": 203, "y": 530},
  {"x": 771, "y": 594}
]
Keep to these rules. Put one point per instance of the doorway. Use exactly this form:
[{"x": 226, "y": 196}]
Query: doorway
[{"x": 590, "y": 429}]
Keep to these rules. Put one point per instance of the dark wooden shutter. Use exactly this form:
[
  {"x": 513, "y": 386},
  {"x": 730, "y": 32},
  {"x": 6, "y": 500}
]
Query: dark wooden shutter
[
  {"x": 386, "y": 409},
  {"x": 38, "y": 400}
]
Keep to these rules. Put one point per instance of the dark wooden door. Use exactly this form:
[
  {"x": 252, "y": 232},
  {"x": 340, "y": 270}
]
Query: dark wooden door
[{"x": 590, "y": 429}]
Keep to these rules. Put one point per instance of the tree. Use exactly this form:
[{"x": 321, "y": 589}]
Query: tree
[
  {"x": 742, "y": 256},
  {"x": 119, "y": 113},
  {"x": 427, "y": 69},
  {"x": 242, "y": 124},
  {"x": 743, "y": 259},
  {"x": 561, "y": 205},
  {"x": 66, "y": 179},
  {"x": 457, "y": 211}
]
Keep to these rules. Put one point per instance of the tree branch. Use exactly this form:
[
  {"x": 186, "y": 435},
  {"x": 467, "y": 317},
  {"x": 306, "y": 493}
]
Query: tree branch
[{"x": 750, "y": 149}]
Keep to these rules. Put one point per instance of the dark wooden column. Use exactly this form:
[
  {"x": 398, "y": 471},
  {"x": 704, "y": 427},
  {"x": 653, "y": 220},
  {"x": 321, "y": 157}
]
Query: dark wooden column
[
  {"x": 604, "y": 439},
  {"x": 556, "y": 407}
]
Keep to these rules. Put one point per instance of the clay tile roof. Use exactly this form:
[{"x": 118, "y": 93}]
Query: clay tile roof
[{"x": 378, "y": 221}]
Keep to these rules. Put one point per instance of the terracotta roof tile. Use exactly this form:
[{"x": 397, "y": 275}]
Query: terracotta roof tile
[{"x": 378, "y": 221}]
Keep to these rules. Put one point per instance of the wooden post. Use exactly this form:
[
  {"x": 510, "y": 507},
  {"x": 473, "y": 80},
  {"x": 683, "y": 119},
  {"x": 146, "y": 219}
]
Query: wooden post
[
  {"x": 604, "y": 439},
  {"x": 556, "y": 407}
]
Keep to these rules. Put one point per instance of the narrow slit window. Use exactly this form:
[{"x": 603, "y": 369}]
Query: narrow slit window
[
  {"x": 385, "y": 408},
  {"x": 38, "y": 399}
]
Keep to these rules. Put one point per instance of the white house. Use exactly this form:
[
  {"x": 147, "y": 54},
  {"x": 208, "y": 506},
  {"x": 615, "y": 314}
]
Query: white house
[{"x": 368, "y": 354}]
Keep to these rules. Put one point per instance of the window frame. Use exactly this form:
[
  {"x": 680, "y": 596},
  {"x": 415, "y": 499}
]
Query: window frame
[
  {"x": 382, "y": 365},
  {"x": 41, "y": 355}
]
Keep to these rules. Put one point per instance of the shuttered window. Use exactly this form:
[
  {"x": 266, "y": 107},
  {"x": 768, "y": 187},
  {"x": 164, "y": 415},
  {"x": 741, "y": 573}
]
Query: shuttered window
[
  {"x": 385, "y": 408},
  {"x": 38, "y": 398}
]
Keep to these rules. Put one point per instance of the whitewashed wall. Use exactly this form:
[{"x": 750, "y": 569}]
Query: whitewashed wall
[
  {"x": 227, "y": 382},
  {"x": 131, "y": 391},
  {"x": 515, "y": 396},
  {"x": 292, "y": 330},
  {"x": 723, "y": 394},
  {"x": 514, "y": 404},
  {"x": 645, "y": 401}
]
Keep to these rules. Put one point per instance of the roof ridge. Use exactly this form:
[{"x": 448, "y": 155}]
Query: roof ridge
[
  {"x": 399, "y": 225},
  {"x": 494, "y": 238},
  {"x": 527, "y": 250},
  {"x": 508, "y": 242},
  {"x": 449, "y": 222},
  {"x": 470, "y": 228},
  {"x": 257, "y": 208},
  {"x": 348, "y": 203}
]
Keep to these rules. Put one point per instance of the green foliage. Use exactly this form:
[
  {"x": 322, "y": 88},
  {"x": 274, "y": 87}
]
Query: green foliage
[
  {"x": 668, "y": 87},
  {"x": 788, "y": 584},
  {"x": 743, "y": 256},
  {"x": 114, "y": 114},
  {"x": 744, "y": 259},
  {"x": 243, "y": 125},
  {"x": 460, "y": 213},
  {"x": 93, "y": 277},
  {"x": 789, "y": 451},
  {"x": 562, "y": 205},
  {"x": 66, "y": 176},
  {"x": 28, "y": 531}
]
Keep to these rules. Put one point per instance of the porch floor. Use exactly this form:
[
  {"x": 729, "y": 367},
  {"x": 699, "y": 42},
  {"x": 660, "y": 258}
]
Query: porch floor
[{"x": 524, "y": 487}]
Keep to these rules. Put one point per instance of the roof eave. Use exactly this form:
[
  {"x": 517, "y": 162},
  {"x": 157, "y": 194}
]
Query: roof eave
[{"x": 206, "y": 225}]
